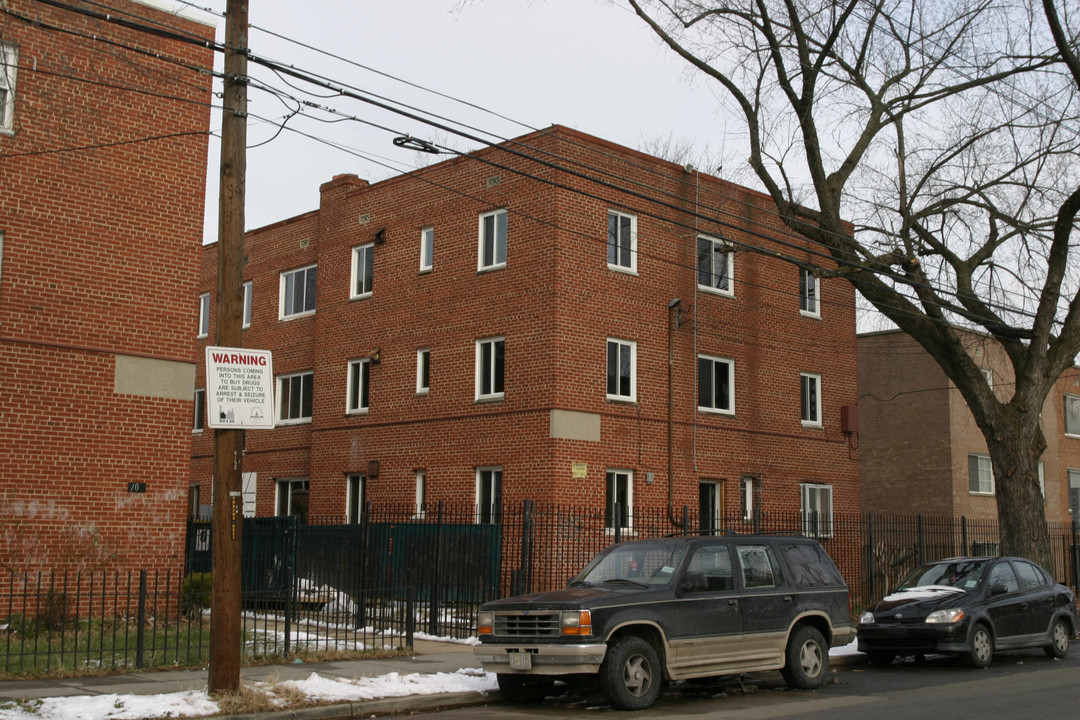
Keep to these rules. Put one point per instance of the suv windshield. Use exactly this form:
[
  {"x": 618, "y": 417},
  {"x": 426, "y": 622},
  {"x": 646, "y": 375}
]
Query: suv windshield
[
  {"x": 641, "y": 563},
  {"x": 964, "y": 574}
]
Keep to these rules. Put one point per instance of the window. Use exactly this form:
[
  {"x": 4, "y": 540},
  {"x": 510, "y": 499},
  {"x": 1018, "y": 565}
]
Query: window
[
  {"x": 809, "y": 287},
  {"x": 354, "y": 498},
  {"x": 363, "y": 263},
  {"x": 357, "y": 391},
  {"x": 297, "y": 294},
  {"x": 421, "y": 493},
  {"x": 294, "y": 397},
  {"x": 1072, "y": 415},
  {"x": 715, "y": 265},
  {"x": 1042, "y": 480},
  {"x": 490, "y": 363},
  {"x": 292, "y": 498},
  {"x": 811, "y": 399},
  {"x": 427, "y": 248},
  {"x": 492, "y": 240},
  {"x": 980, "y": 475},
  {"x": 423, "y": 370},
  {"x": 758, "y": 566},
  {"x": 488, "y": 495},
  {"x": 714, "y": 562},
  {"x": 817, "y": 510},
  {"x": 747, "y": 488},
  {"x": 193, "y": 502},
  {"x": 1003, "y": 574},
  {"x": 204, "y": 315},
  {"x": 1030, "y": 577},
  {"x": 621, "y": 241},
  {"x": 9, "y": 60},
  {"x": 621, "y": 370},
  {"x": 620, "y": 489},
  {"x": 200, "y": 411},
  {"x": 716, "y": 384},
  {"x": 989, "y": 375},
  {"x": 710, "y": 501},
  {"x": 247, "y": 305}
]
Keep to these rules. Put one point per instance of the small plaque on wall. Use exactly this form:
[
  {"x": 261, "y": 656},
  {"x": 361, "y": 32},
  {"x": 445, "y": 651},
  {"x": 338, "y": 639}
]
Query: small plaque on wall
[
  {"x": 579, "y": 470},
  {"x": 139, "y": 487}
]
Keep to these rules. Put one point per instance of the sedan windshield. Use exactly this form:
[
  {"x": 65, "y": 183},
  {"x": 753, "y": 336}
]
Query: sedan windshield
[
  {"x": 961, "y": 574},
  {"x": 636, "y": 563}
]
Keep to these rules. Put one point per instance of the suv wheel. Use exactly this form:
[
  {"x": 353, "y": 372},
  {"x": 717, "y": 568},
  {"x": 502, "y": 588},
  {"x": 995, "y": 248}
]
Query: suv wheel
[
  {"x": 1059, "y": 640},
  {"x": 630, "y": 675},
  {"x": 806, "y": 659},
  {"x": 520, "y": 689}
]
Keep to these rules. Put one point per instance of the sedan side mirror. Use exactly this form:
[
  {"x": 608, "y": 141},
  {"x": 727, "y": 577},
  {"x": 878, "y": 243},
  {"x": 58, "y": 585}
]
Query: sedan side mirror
[
  {"x": 999, "y": 589},
  {"x": 694, "y": 582}
]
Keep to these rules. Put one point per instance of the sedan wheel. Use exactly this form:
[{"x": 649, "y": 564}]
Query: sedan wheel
[
  {"x": 1059, "y": 640},
  {"x": 982, "y": 647}
]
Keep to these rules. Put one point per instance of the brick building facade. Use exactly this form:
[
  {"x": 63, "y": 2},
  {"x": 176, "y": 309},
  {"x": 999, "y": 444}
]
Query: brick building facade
[
  {"x": 103, "y": 151},
  {"x": 920, "y": 449},
  {"x": 491, "y": 329}
]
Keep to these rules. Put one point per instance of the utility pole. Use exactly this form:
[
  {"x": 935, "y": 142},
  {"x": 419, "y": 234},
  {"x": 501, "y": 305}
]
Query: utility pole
[{"x": 227, "y": 521}]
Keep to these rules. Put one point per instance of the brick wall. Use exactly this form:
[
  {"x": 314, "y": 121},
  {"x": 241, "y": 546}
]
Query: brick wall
[
  {"x": 556, "y": 302},
  {"x": 101, "y": 234}
]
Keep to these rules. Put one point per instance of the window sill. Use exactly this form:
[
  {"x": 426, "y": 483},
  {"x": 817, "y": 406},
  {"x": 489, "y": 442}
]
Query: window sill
[
  {"x": 981, "y": 494},
  {"x": 423, "y": 393},
  {"x": 621, "y": 400},
  {"x": 425, "y": 271},
  {"x": 489, "y": 268},
  {"x": 362, "y": 296},
  {"x": 813, "y": 315},
  {"x": 622, "y": 269},
  {"x": 197, "y": 432},
  {"x": 715, "y": 291},
  {"x": 489, "y": 399},
  {"x": 352, "y": 413},
  {"x": 716, "y": 411},
  {"x": 300, "y": 421},
  {"x": 297, "y": 316},
  {"x": 812, "y": 425}
]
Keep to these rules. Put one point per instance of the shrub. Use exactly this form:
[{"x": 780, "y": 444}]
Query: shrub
[{"x": 196, "y": 596}]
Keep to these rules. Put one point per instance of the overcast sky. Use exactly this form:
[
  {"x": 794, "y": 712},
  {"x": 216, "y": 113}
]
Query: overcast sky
[{"x": 587, "y": 64}]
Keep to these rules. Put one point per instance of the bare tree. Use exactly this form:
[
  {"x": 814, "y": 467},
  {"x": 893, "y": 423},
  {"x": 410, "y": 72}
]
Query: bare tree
[{"x": 949, "y": 133}]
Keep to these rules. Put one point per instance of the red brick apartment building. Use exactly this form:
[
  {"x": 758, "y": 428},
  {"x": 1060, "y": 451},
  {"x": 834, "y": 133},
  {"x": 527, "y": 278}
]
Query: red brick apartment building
[
  {"x": 103, "y": 151},
  {"x": 920, "y": 449},
  {"x": 492, "y": 328}
]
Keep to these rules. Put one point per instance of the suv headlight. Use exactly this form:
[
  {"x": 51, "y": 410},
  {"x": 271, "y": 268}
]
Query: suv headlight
[
  {"x": 867, "y": 618},
  {"x": 951, "y": 615},
  {"x": 576, "y": 622},
  {"x": 485, "y": 623}
]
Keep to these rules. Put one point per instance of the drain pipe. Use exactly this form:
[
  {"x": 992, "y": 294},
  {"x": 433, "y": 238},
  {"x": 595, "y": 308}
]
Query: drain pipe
[{"x": 673, "y": 313}]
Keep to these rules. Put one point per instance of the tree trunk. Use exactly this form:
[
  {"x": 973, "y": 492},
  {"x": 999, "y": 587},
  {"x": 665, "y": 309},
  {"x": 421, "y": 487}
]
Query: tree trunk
[{"x": 1016, "y": 444}]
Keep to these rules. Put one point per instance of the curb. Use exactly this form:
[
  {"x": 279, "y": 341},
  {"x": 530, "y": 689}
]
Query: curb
[{"x": 370, "y": 708}]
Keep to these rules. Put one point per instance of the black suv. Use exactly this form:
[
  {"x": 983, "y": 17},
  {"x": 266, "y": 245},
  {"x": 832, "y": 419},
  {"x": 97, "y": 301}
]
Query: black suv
[{"x": 647, "y": 611}]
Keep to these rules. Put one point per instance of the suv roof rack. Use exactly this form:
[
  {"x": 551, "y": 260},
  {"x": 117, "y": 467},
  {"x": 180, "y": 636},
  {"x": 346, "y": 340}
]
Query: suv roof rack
[{"x": 729, "y": 532}]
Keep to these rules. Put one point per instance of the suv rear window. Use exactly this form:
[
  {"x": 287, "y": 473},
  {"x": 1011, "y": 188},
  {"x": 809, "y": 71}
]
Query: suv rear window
[{"x": 810, "y": 565}]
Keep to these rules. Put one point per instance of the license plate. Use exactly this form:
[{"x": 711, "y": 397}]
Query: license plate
[{"x": 521, "y": 661}]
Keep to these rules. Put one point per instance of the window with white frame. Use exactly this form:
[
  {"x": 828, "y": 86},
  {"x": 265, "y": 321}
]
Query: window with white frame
[
  {"x": 9, "y": 61},
  {"x": 354, "y": 497},
  {"x": 292, "y": 498},
  {"x": 747, "y": 491},
  {"x": 294, "y": 397},
  {"x": 427, "y": 248},
  {"x": 357, "y": 386},
  {"x": 809, "y": 291},
  {"x": 980, "y": 475},
  {"x": 204, "y": 315},
  {"x": 810, "y": 387},
  {"x": 492, "y": 240},
  {"x": 247, "y": 305},
  {"x": 1072, "y": 415},
  {"x": 423, "y": 371},
  {"x": 488, "y": 494},
  {"x": 297, "y": 292},
  {"x": 490, "y": 368},
  {"x": 621, "y": 241},
  {"x": 363, "y": 267},
  {"x": 715, "y": 266},
  {"x": 1042, "y": 480},
  {"x": 621, "y": 369},
  {"x": 817, "y": 510},
  {"x": 988, "y": 374},
  {"x": 619, "y": 490},
  {"x": 199, "y": 421},
  {"x": 421, "y": 493},
  {"x": 716, "y": 384}
]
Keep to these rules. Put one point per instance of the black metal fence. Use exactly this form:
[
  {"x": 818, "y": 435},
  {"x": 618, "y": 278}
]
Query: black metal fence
[{"x": 335, "y": 586}]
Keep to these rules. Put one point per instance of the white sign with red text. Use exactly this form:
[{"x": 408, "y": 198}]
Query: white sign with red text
[{"x": 239, "y": 388}]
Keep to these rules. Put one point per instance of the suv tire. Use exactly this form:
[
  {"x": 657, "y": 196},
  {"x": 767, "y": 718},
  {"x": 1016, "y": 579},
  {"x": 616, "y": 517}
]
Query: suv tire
[
  {"x": 630, "y": 674},
  {"x": 807, "y": 659},
  {"x": 521, "y": 689}
]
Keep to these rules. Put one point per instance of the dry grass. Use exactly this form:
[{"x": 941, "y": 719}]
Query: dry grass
[{"x": 261, "y": 697}]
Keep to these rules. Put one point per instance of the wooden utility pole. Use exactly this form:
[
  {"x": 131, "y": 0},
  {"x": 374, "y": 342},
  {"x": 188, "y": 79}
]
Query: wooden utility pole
[{"x": 228, "y": 499}]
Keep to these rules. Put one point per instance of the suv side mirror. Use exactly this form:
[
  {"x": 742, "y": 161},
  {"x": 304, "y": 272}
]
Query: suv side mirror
[
  {"x": 999, "y": 589},
  {"x": 694, "y": 582}
]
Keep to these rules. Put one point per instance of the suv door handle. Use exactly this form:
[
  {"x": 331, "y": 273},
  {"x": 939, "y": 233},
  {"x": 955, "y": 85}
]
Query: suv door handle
[
  {"x": 787, "y": 598},
  {"x": 733, "y": 602}
]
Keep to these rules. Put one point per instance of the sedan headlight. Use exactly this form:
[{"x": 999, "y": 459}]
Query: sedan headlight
[
  {"x": 952, "y": 615},
  {"x": 485, "y": 623},
  {"x": 867, "y": 618}
]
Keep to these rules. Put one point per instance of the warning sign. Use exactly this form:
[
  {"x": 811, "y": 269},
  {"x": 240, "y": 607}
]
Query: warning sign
[{"x": 239, "y": 388}]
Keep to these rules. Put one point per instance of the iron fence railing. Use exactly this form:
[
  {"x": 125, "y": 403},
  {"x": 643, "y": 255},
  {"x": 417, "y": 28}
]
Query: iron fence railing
[{"x": 333, "y": 585}]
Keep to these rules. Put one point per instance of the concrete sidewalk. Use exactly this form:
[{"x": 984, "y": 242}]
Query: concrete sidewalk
[{"x": 428, "y": 657}]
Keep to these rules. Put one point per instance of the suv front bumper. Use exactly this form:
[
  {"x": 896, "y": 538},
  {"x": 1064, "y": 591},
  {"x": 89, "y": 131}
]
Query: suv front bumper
[{"x": 542, "y": 659}]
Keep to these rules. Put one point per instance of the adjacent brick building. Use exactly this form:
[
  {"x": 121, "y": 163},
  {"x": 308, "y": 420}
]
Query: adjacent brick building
[
  {"x": 491, "y": 329},
  {"x": 103, "y": 151},
  {"x": 920, "y": 449}
]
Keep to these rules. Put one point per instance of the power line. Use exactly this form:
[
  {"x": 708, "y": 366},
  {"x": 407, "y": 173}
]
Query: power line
[{"x": 98, "y": 146}]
